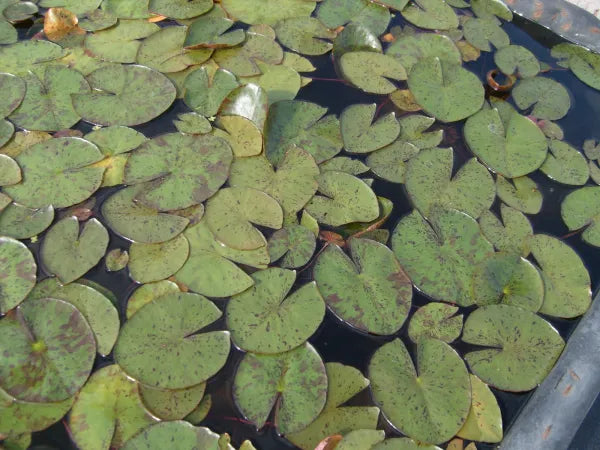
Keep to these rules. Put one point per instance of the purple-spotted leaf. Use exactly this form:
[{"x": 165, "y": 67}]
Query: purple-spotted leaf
[
  {"x": 435, "y": 320},
  {"x": 188, "y": 437},
  {"x": 171, "y": 404}
]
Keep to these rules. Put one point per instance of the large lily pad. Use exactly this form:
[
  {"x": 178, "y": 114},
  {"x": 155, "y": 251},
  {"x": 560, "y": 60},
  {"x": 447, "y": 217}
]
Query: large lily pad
[
  {"x": 20, "y": 222},
  {"x": 581, "y": 208},
  {"x": 361, "y": 135},
  {"x": 157, "y": 346},
  {"x": 484, "y": 423},
  {"x": 445, "y": 90},
  {"x": 411, "y": 48},
  {"x": 372, "y": 72},
  {"x": 431, "y": 14},
  {"x": 145, "y": 293},
  {"x": 584, "y": 63},
  {"x": 120, "y": 43},
  {"x": 440, "y": 258},
  {"x": 124, "y": 95},
  {"x": 549, "y": 98},
  {"x": 45, "y": 360},
  {"x": 373, "y": 16},
  {"x": 565, "y": 164},
  {"x": 78, "y": 7},
  {"x": 516, "y": 59},
  {"x": 511, "y": 234},
  {"x": 437, "y": 321},
  {"x": 268, "y": 11},
  {"x": 520, "y": 355},
  {"x": 154, "y": 262},
  {"x": 21, "y": 57},
  {"x": 294, "y": 383},
  {"x": 521, "y": 193},
  {"x": 18, "y": 273},
  {"x": 429, "y": 402},
  {"x": 370, "y": 292},
  {"x": 68, "y": 252},
  {"x": 264, "y": 319},
  {"x": 204, "y": 92},
  {"x": 127, "y": 9}
]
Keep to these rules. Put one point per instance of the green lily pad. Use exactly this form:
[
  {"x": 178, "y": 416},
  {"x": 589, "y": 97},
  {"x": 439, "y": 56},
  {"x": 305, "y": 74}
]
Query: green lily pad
[
  {"x": 78, "y": 7},
  {"x": 264, "y": 319},
  {"x": 591, "y": 149},
  {"x": 480, "y": 33},
  {"x": 581, "y": 208},
  {"x": 192, "y": 123},
  {"x": 248, "y": 101},
  {"x": 520, "y": 193},
  {"x": 566, "y": 280},
  {"x": 292, "y": 246},
  {"x": 370, "y": 292},
  {"x": 551, "y": 130},
  {"x": 108, "y": 411},
  {"x": 8, "y": 33},
  {"x": 293, "y": 383},
  {"x": 413, "y": 130},
  {"x": 344, "y": 383},
  {"x": 511, "y": 234},
  {"x": 294, "y": 122},
  {"x": 549, "y": 98},
  {"x": 437, "y": 321},
  {"x": 565, "y": 164},
  {"x": 520, "y": 355},
  {"x": 137, "y": 222},
  {"x": 157, "y": 346},
  {"x": 278, "y": 81},
  {"x": 514, "y": 59},
  {"x": 373, "y": 16},
  {"x": 244, "y": 137},
  {"x": 154, "y": 262},
  {"x": 127, "y": 9},
  {"x": 20, "y": 222},
  {"x": 124, "y": 95},
  {"x": 440, "y": 258},
  {"x": 7, "y": 130},
  {"x": 178, "y": 171},
  {"x": 507, "y": 142},
  {"x": 185, "y": 434},
  {"x": 371, "y": 72},
  {"x": 116, "y": 260},
  {"x": 430, "y": 186},
  {"x": 390, "y": 162},
  {"x": 19, "y": 273},
  {"x": 356, "y": 37},
  {"x": 403, "y": 444},
  {"x": 488, "y": 9},
  {"x": 445, "y": 90},
  {"x": 45, "y": 360},
  {"x": 358, "y": 439},
  {"x": 148, "y": 292},
  {"x": 305, "y": 35},
  {"x": 345, "y": 199},
  {"x": 431, "y": 14},
  {"x": 582, "y": 62},
  {"x": 68, "y": 252},
  {"x": 344, "y": 164},
  {"x": 171, "y": 404},
  {"x": 201, "y": 411},
  {"x": 484, "y": 423},
  {"x": 268, "y": 11},
  {"x": 210, "y": 31},
  {"x": 429, "y": 402},
  {"x": 360, "y": 229},
  {"x": 14, "y": 89},
  {"x": 96, "y": 19},
  {"x": 10, "y": 172},
  {"x": 180, "y": 9},
  {"x": 120, "y": 43},
  {"x": 360, "y": 135},
  {"x": 410, "y": 48},
  {"x": 99, "y": 312},
  {"x": 21, "y": 57},
  {"x": 205, "y": 93},
  {"x": 594, "y": 172}
]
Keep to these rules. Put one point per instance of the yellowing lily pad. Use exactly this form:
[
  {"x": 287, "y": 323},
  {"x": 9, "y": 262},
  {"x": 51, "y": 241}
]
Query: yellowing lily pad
[{"x": 484, "y": 423}]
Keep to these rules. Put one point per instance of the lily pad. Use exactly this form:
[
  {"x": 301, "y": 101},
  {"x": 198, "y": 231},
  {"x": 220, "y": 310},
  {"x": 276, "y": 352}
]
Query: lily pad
[
  {"x": 361, "y": 439},
  {"x": 511, "y": 234},
  {"x": 514, "y": 59},
  {"x": 97, "y": 19},
  {"x": 520, "y": 355},
  {"x": 356, "y": 37},
  {"x": 154, "y": 262},
  {"x": 268, "y": 11},
  {"x": 14, "y": 89},
  {"x": 429, "y": 402},
  {"x": 445, "y": 90},
  {"x": 264, "y": 319},
  {"x": 180, "y": 9},
  {"x": 404, "y": 444},
  {"x": 430, "y": 186},
  {"x": 344, "y": 164},
  {"x": 210, "y": 31},
  {"x": 171, "y": 404},
  {"x": 148, "y": 292},
  {"x": 488, "y": 9},
  {"x": 192, "y": 123},
  {"x": 68, "y": 252},
  {"x": 507, "y": 142},
  {"x": 591, "y": 149},
  {"x": 45, "y": 360},
  {"x": 437, "y": 321},
  {"x": 581, "y": 208},
  {"x": 431, "y": 14},
  {"x": 371, "y": 72},
  {"x": 18, "y": 273},
  {"x": 124, "y": 95},
  {"x": 204, "y": 92},
  {"x": 360, "y": 135},
  {"x": 292, "y": 246},
  {"x": 280, "y": 82},
  {"x": 78, "y": 7},
  {"x": 185, "y": 434},
  {"x": 373, "y": 16},
  {"x": 157, "y": 346},
  {"x": 8, "y": 33},
  {"x": 127, "y": 9},
  {"x": 582, "y": 62},
  {"x": 294, "y": 383},
  {"x": 370, "y": 292},
  {"x": 565, "y": 164},
  {"x": 116, "y": 260},
  {"x": 440, "y": 258},
  {"x": 566, "y": 280},
  {"x": 178, "y": 171},
  {"x": 248, "y": 101},
  {"x": 10, "y": 172},
  {"x": 120, "y": 43},
  {"x": 201, "y": 411},
  {"x": 410, "y": 48},
  {"x": 305, "y": 35},
  {"x": 521, "y": 193},
  {"x": 20, "y": 222},
  {"x": 108, "y": 411},
  {"x": 549, "y": 98},
  {"x": 480, "y": 33},
  {"x": 484, "y": 423},
  {"x": 21, "y": 57},
  {"x": 413, "y": 130}
]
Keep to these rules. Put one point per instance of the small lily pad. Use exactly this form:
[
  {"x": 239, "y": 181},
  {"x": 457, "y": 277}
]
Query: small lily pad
[
  {"x": 157, "y": 346},
  {"x": 68, "y": 252},
  {"x": 171, "y": 404},
  {"x": 404, "y": 443},
  {"x": 488, "y": 9},
  {"x": 305, "y": 35},
  {"x": 511, "y": 234},
  {"x": 371, "y": 72},
  {"x": 292, "y": 246},
  {"x": 180, "y": 9},
  {"x": 294, "y": 383},
  {"x": 14, "y": 89},
  {"x": 410, "y": 48},
  {"x": 20, "y": 222},
  {"x": 360, "y": 135},
  {"x": 521, "y": 193},
  {"x": 372, "y": 15},
  {"x": 582, "y": 62},
  {"x": 591, "y": 148},
  {"x": 116, "y": 259},
  {"x": 356, "y": 37},
  {"x": 484, "y": 423},
  {"x": 148, "y": 292},
  {"x": 549, "y": 98},
  {"x": 514, "y": 59},
  {"x": 520, "y": 355},
  {"x": 185, "y": 434},
  {"x": 154, "y": 262},
  {"x": 437, "y": 321},
  {"x": 204, "y": 92},
  {"x": 361, "y": 439},
  {"x": 344, "y": 164},
  {"x": 431, "y": 14},
  {"x": 581, "y": 208},
  {"x": 120, "y": 43},
  {"x": 192, "y": 123},
  {"x": 565, "y": 164},
  {"x": 413, "y": 130},
  {"x": 480, "y": 33},
  {"x": 18, "y": 273},
  {"x": 268, "y": 11},
  {"x": 210, "y": 31}
]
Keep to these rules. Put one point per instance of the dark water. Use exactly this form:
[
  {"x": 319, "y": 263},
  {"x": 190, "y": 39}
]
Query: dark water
[{"x": 334, "y": 340}]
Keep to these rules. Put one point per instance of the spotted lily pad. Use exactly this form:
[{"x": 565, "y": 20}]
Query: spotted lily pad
[
  {"x": 484, "y": 423},
  {"x": 520, "y": 355},
  {"x": 148, "y": 292},
  {"x": 373, "y": 16},
  {"x": 185, "y": 434},
  {"x": 157, "y": 346},
  {"x": 294, "y": 383},
  {"x": 116, "y": 260},
  {"x": 413, "y": 130},
  {"x": 180, "y": 9},
  {"x": 21, "y": 57},
  {"x": 204, "y": 92},
  {"x": 429, "y": 402},
  {"x": 78, "y": 7},
  {"x": 20, "y": 222},
  {"x": 430, "y": 186},
  {"x": 360, "y": 135},
  {"x": 565, "y": 164},
  {"x": 14, "y": 89},
  {"x": 268, "y": 11},
  {"x": 549, "y": 98},
  {"x": 437, "y": 321},
  {"x": 18, "y": 273},
  {"x": 361, "y": 439},
  {"x": 521, "y": 193},
  {"x": 482, "y": 32},
  {"x": 488, "y": 9},
  {"x": 192, "y": 123},
  {"x": 120, "y": 43},
  {"x": 440, "y": 258},
  {"x": 127, "y": 9},
  {"x": 371, "y": 72},
  {"x": 403, "y": 444},
  {"x": 356, "y": 37},
  {"x": 582, "y": 62},
  {"x": 210, "y": 31},
  {"x": 445, "y": 90},
  {"x": 581, "y": 208},
  {"x": 566, "y": 280},
  {"x": 305, "y": 35},
  {"x": 511, "y": 234},
  {"x": 344, "y": 164},
  {"x": 154, "y": 262},
  {"x": 124, "y": 95},
  {"x": 171, "y": 404},
  {"x": 45, "y": 360},
  {"x": 292, "y": 246},
  {"x": 431, "y": 14},
  {"x": 514, "y": 59},
  {"x": 279, "y": 81},
  {"x": 411, "y": 48}
]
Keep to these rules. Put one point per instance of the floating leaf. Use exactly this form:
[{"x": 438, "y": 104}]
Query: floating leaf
[
  {"x": 482, "y": 32},
  {"x": 13, "y": 89},
  {"x": 411, "y": 48},
  {"x": 581, "y": 208},
  {"x": 210, "y": 31},
  {"x": 520, "y": 193},
  {"x": 78, "y": 7},
  {"x": 61, "y": 23},
  {"x": 565, "y": 164},
  {"x": 180, "y": 9},
  {"x": 372, "y": 15},
  {"x": 124, "y": 95},
  {"x": 521, "y": 354},
  {"x": 21, "y": 57},
  {"x": 355, "y": 37},
  {"x": 186, "y": 435},
  {"x": 244, "y": 137},
  {"x": 192, "y": 123},
  {"x": 488, "y": 9},
  {"x": 506, "y": 141},
  {"x": 116, "y": 260},
  {"x": 154, "y": 262},
  {"x": 370, "y": 292},
  {"x": 20, "y": 222},
  {"x": 170, "y": 404},
  {"x": 509, "y": 235},
  {"x": 280, "y": 82},
  {"x": 45, "y": 360},
  {"x": 403, "y": 443},
  {"x": 157, "y": 346},
  {"x": 344, "y": 164},
  {"x": 127, "y": 9},
  {"x": 437, "y": 321},
  {"x": 412, "y": 130},
  {"x": 549, "y": 98},
  {"x": 18, "y": 273},
  {"x": 205, "y": 93},
  {"x": 305, "y": 35},
  {"x": 445, "y": 90},
  {"x": 371, "y": 72},
  {"x": 120, "y": 43},
  {"x": 294, "y": 383},
  {"x": 10, "y": 172},
  {"x": 108, "y": 410},
  {"x": 429, "y": 402},
  {"x": 268, "y": 11},
  {"x": 361, "y": 439},
  {"x": 566, "y": 280},
  {"x": 584, "y": 63},
  {"x": 360, "y": 135},
  {"x": 8, "y": 33},
  {"x": 178, "y": 171},
  {"x": 148, "y": 292},
  {"x": 248, "y": 101},
  {"x": 484, "y": 423},
  {"x": 201, "y": 411},
  {"x": 264, "y": 319},
  {"x": 292, "y": 246},
  {"x": 95, "y": 20},
  {"x": 440, "y": 258},
  {"x": 430, "y": 186},
  {"x": 431, "y": 14},
  {"x": 514, "y": 59},
  {"x": 591, "y": 148}
]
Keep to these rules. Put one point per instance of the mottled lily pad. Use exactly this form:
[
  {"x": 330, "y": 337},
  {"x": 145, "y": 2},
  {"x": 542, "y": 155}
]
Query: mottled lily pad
[
  {"x": 565, "y": 164},
  {"x": 581, "y": 208},
  {"x": 13, "y": 89},
  {"x": 480, "y": 33},
  {"x": 18, "y": 273},
  {"x": 361, "y": 135},
  {"x": 437, "y": 321},
  {"x": 549, "y": 98},
  {"x": 120, "y": 43},
  {"x": 511, "y": 234},
  {"x": 521, "y": 193},
  {"x": 20, "y": 222},
  {"x": 292, "y": 246},
  {"x": 514, "y": 59},
  {"x": 411, "y": 48},
  {"x": 584, "y": 63},
  {"x": 185, "y": 434},
  {"x": 305, "y": 35},
  {"x": 210, "y": 31},
  {"x": 373, "y": 16},
  {"x": 204, "y": 92},
  {"x": 180, "y": 9},
  {"x": 431, "y": 14},
  {"x": 148, "y": 292},
  {"x": 154, "y": 262},
  {"x": 268, "y": 11},
  {"x": 344, "y": 164},
  {"x": 171, "y": 404},
  {"x": 21, "y": 57},
  {"x": 484, "y": 423},
  {"x": 372, "y": 72}
]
